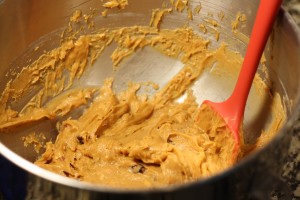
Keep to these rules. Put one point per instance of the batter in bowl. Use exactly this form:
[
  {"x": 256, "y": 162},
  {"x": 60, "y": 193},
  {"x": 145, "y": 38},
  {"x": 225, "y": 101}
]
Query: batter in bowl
[{"x": 127, "y": 139}]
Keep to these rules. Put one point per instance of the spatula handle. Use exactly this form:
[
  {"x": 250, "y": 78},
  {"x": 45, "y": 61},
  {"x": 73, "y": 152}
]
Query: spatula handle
[{"x": 263, "y": 24}]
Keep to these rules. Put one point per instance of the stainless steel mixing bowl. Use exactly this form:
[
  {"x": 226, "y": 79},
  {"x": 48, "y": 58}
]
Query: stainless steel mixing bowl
[{"x": 26, "y": 24}]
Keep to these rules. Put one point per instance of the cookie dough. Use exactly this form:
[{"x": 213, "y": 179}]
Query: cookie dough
[{"x": 125, "y": 139}]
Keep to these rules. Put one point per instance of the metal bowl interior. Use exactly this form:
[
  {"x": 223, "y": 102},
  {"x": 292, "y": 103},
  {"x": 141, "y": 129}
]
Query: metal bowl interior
[{"x": 37, "y": 23}]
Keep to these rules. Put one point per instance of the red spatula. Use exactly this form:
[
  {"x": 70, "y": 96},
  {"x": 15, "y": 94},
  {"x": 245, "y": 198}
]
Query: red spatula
[{"x": 232, "y": 110}]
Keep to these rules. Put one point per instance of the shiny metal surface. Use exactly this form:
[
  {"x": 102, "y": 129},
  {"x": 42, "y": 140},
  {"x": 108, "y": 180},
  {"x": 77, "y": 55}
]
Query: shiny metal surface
[{"x": 27, "y": 24}]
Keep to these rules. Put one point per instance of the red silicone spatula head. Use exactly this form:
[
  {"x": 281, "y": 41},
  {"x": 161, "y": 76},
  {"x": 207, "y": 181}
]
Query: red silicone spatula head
[{"x": 232, "y": 110}]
